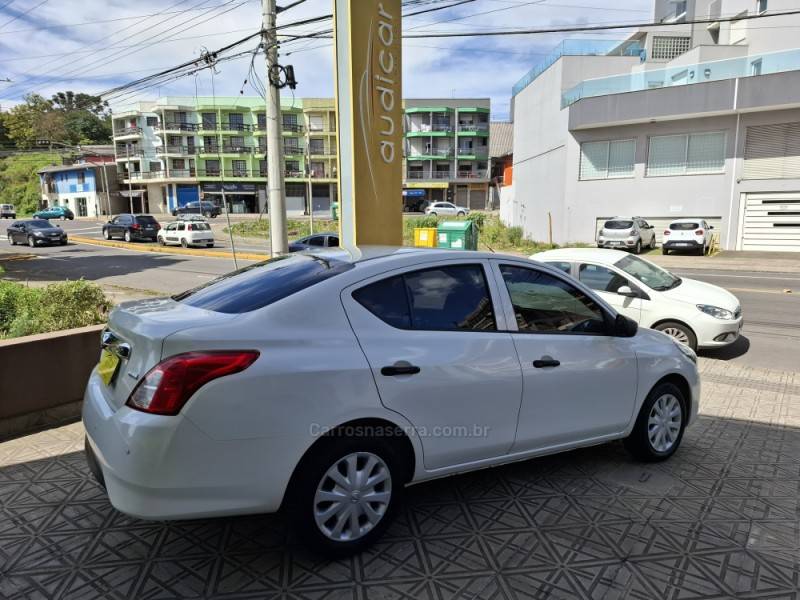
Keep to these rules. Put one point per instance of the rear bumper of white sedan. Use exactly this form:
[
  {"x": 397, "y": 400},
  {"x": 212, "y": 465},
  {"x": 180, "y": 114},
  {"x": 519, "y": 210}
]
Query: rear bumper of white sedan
[{"x": 165, "y": 467}]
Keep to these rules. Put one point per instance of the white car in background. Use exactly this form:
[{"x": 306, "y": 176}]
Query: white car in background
[
  {"x": 324, "y": 383},
  {"x": 446, "y": 209},
  {"x": 189, "y": 232},
  {"x": 693, "y": 235},
  {"x": 698, "y": 314}
]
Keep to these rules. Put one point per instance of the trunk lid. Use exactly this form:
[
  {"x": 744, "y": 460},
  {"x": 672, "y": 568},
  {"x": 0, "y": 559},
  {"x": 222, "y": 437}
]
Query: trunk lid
[
  {"x": 141, "y": 327},
  {"x": 684, "y": 232}
]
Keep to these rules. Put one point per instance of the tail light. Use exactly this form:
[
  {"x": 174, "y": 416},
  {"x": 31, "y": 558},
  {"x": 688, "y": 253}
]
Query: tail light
[
  {"x": 166, "y": 388},
  {"x": 699, "y": 232},
  {"x": 666, "y": 232},
  {"x": 136, "y": 226}
]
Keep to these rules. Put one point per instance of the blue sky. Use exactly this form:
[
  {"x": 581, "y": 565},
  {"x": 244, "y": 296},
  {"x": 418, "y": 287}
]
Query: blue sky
[{"x": 92, "y": 45}]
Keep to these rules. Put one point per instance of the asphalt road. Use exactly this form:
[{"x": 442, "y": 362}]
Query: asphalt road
[{"x": 770, "y": 339}]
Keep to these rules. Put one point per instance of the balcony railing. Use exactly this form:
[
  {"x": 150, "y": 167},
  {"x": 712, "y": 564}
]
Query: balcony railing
[
  {"x": 236, "y": 127},
  {"x": 128, "y": 131},
  {"x": 293, "y": 149},
  {"x": 176, "y": 149},
  {"x": 207, "y": 126},
  {"x": 177, "y": 126},
  {"x": 228, "y": 173},
  {"x": 473, "y": 127},
  {"x": 701, "y": 72},
  {"x": 293, "y": 127},
  {"x": 428, "y": 175},
  {"x": 321, "y": 151},
  {"x": 292, "y": 173},
  {"x": 482, "y": 152},
  {"x": 122, "y": 154},
  {"x": 319, "y": 174},
  {"x": 238, "y": 149},
  {"x": 438, "y": 152},
  {"x": 442, "y": 127},
  {"x": 477, "y": 174}
]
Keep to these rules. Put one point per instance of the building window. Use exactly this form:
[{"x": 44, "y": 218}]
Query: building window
[
  {"x": 295, "y": 190},
  {"x": 762, "y": 6},
  {"x": 607, "y": 160},
  {"x": 239, "y": 168},
  {"x": 152, "y": 121},
  {"x": 315, "y": 122},
  {"x": 212, "y": 167},
  {"x": 155, "y": 166},
  {"x": 756, "y": 66},
  {"x": 686, "y": 154},
  {"x": 81, "y": 178},
  {"x": 667, "y": 47},
  {"x": 178, "y": 163},
  {"x": 209, "y": 120}
]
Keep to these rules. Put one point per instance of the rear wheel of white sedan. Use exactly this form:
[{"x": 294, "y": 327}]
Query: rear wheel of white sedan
[
  {"x": 679, "y": 332},
  {"x": 659, "y": 427},
  {"x": 345, "y": 493}
]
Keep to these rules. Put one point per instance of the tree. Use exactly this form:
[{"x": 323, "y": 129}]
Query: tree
[
  {"x": 69, "y": 101},
  {"x": 24, "y": 122}
]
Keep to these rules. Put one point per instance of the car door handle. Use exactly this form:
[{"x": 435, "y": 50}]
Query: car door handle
[
  {"x": 546, "y": 361},
  {"x": 400, "y": 368}
]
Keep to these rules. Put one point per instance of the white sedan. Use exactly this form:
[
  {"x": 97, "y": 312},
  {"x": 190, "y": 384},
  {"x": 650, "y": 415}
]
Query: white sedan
[
  {"x": 447, "y": 209},
  {"x": 698, "y": 314},
  {"x": 187, "y": 233},
  {"x": 324, "y": 383}
]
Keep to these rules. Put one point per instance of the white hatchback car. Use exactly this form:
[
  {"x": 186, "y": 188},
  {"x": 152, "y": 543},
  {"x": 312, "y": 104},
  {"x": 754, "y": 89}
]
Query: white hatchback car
[
  {"x": 324, "y": 383},
  {"x": 693, "y": 235},
  {"x": 190, "y": 232},
  {"x": 695, "y": 313},
  {"x": 446, "y": 209}
]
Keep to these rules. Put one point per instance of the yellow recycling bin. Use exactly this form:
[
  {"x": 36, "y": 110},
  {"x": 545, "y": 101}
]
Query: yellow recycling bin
[{"x": 425, "y": 237}]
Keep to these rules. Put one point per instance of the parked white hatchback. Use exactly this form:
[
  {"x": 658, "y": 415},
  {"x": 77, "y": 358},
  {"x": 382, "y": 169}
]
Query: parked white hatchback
[
  {"x": 695, "y": 313},
  {"x": 446, "y": 209},
  {"x": 693, "y": 235},
  {"x": 189, "y": 232},
  {"x": 324, "y": 383}
]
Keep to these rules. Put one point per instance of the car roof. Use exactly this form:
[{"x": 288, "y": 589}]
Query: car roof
[
  {"x": 401, "y": 254},
  {"x": 601, "y": 255},
  {"x": 623, "y": 218},
  {"x": 687, "y": 220}
]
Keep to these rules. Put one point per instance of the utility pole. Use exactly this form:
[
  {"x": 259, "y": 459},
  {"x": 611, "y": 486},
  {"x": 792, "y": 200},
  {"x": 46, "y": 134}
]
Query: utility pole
[
  {"x": 310, "y": 187},
  {"x": 277, "y": 202},
  {"x": 130, "y": 174}
]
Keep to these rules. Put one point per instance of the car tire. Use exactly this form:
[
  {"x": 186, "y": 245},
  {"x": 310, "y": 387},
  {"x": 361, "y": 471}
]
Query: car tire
[
  {"x": 461, "y": 213},
  {"x": 314, "y": 477},
  {"x": 703, "y": 250},
  {"x": 127, "y": 237},
  {"x": 11, "y": 240},
  {"x": 679, "y": 332},
  {"x": 62, "y": 243},
  {"x": 210, "y": 245},
  {"x": 653, "y": 243},
  {"x": 184, "y": 243},
  {"x": 106, "y": 234},
  {"x": 63, "y": 218},
  {"x": 31, "y": 241},
  {"x": 161, "y": 241},
  {"x": 664, "y": 251},
  {"x": 207, "y": 214},
  {"x": 659, "y": 427},
  {"x": 637, "y": 249},
  {"x": 432, "y": 214}
]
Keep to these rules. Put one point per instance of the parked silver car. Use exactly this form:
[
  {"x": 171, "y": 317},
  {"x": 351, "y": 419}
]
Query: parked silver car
[{"x": 631, "y": 233}]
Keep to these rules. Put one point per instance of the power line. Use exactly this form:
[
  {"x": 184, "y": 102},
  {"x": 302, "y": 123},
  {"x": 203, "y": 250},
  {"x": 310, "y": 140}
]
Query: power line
[{"x": 22, "y": 14}]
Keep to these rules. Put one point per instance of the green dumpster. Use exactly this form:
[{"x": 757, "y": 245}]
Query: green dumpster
[
  {"x": 458, "y": 235},
  {"x": 334, "y": 210}
]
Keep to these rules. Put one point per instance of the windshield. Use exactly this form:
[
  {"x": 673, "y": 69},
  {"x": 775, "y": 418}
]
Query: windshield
[
  {"x": 146, "y": 219},
  {"x": 263, "y": 283},
  {"x": 649, "y": 274},
  {"x": 683, "y": 226},
  {"x": 618, "y": 225},
  {"x": 40, "y": 225}
]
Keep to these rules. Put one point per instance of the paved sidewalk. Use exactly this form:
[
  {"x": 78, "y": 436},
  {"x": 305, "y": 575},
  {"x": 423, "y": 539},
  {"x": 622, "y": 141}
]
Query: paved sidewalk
[
  {"x": 770, "y": 262},
  {"x": 721, "y": 519}
]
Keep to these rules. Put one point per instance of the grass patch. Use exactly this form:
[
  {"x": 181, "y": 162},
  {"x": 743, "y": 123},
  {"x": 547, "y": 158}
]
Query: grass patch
[
  {"x": 28, "y": 311},
  {"x": 297, "y": 228}
]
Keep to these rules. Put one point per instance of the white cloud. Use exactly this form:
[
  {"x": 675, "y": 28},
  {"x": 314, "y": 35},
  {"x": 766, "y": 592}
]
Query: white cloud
[{"x": 91, "y": 58}]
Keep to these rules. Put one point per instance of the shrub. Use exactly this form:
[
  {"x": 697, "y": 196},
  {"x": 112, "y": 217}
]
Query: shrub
[
  {"x": 478, "y": 220},
  {"x": 27, "y": 311}
]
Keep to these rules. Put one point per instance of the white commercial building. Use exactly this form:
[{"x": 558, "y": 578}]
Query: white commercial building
[{"x": 679, "y": 120}]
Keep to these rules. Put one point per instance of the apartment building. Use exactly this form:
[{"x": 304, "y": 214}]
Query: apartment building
[
  {"x": 447, "y": 150},
  {"x": 678, "y": 120},
  {"x": 175, "y": 150}
]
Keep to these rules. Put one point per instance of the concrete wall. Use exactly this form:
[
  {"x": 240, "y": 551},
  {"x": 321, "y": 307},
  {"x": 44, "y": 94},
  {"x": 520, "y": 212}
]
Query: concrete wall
[{"x": 45, "y": 376}]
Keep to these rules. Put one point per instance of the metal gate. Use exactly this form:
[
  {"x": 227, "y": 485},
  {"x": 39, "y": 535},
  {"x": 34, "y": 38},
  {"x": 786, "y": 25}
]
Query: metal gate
[{"x": 771, "y": 222}]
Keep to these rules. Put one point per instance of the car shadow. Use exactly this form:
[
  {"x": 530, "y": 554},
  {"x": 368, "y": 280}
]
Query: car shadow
[{"x": 729, "y": 352}]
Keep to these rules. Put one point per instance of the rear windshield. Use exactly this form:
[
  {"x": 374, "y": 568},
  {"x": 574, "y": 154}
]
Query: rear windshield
[
  {"x": 145, "y": 219},
  {"x": 683, "y": 226},
  {"x": 198, "y": 227},
  {"x": 263, "y": 283},
  {"x": 618, "y": 225},
  {"x": 6, "y": 206}
]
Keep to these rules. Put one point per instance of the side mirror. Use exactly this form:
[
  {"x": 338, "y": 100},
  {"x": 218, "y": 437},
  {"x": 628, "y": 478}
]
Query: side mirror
[
  {"x": 625, "y": 327},
  {"x": 711, "y": 227},
  {"x": 626, "y": 291}
]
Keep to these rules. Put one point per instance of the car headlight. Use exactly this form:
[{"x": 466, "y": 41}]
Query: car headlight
[
  {"x": 687, "y": 352},
  {"x": 38, "y": 233},
  {"x": 716, "y": 311}
]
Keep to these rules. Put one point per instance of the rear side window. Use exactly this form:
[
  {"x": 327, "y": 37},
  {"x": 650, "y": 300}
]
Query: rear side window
[
  {"x": 618, "y": 225},
  {"x": 261, "y": 284},
  {"x": 199, "y": 227},
  {"x": 454, "y": 298},
  {"x": 683, "y": 226}
]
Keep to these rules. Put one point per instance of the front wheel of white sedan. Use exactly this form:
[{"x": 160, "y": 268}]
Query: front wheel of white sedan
[
  {"x": 659, "y": 427},
  {"x": 345, "y": 494}
]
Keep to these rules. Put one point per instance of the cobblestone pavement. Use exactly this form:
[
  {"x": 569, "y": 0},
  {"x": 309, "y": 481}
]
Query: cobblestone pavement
[{"x": 719, "y": 520}]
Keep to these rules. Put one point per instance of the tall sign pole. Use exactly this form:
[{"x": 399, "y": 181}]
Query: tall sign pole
[
  {"x": 369, "y": 111},
  {"x": 277, "y": 203}
]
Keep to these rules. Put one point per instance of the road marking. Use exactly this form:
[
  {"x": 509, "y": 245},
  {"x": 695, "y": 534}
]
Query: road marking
[
  {"x": 694, "y": 274},
  {"x": 753, "y": 291}
]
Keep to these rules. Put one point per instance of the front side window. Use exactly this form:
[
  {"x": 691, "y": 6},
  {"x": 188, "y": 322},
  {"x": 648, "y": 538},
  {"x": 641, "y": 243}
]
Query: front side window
[
  {"x": 454, "y": 298},
  {"x": 546, "y": 304},
  {"x": 607, "y": 160},
  {"x": 317, "y": 240},
  {"x": 601, "y": 279},
  {"x": 686, "y": 154}
]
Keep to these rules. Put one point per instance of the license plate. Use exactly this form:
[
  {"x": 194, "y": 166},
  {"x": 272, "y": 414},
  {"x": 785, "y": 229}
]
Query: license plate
[
  {"x": 682, "y": 244},
  {"x": 108, "y": 366},
  {"x": 615, "y": 243}
]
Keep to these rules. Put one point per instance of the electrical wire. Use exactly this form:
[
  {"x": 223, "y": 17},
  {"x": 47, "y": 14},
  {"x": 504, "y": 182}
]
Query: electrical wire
[{"x": 22, "y": 14}]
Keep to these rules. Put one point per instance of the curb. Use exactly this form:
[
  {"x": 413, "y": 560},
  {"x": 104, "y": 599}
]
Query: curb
[{"x": 167, "y": 250}]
